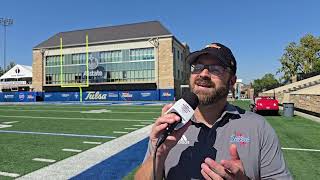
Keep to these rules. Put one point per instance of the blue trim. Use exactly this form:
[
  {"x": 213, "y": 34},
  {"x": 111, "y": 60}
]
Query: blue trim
[{"x": 118, "y": 165}]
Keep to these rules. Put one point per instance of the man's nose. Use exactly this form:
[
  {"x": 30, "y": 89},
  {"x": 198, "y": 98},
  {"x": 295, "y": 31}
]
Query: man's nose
[{"x": 205, "y": 73}]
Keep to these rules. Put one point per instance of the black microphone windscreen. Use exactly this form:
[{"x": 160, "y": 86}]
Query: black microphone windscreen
[{"x": 191, "y": 99}]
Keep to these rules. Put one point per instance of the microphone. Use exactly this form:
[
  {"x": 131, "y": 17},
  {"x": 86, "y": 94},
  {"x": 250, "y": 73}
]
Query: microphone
[{"x": 184, "y": 108}]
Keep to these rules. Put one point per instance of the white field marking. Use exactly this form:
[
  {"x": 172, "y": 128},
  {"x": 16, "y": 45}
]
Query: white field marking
[
  {"x": 4, "y": 126},
  {"x": 146, "y": 122},
  {"x": 84, "y": 119},
  {"x": 138, "y": 125},
  {"x": 299, "y": 149},
  {"x": 44, "y": 160},
  {"x": 120, "y": 132},
  {"x": 58, "y": 134},
  {"x": 80, "y": 162},
  {"x": 96, "y": 111},
  {"x": 72, "y": 150},
  {"x": 91, "y": 142},
  {"x": 90, "y": 111},
  {"x": 10, "y": 122},
  {"x": 9, "y": 174},
  {"x": 131, "y": 128}
]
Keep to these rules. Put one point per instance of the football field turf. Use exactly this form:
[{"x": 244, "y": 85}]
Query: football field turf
[{"x": 42, "y": 131}]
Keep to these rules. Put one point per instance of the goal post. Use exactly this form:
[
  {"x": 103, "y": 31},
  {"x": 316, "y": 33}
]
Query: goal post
[{"x": 79, "y": 83}]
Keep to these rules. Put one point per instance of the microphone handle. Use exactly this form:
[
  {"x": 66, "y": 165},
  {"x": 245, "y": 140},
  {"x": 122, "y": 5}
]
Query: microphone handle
[{"x": 168, "y": 131}]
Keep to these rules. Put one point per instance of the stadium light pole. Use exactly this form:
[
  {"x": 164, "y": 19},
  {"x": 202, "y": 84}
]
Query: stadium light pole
[{"x": 5, "y": 22}]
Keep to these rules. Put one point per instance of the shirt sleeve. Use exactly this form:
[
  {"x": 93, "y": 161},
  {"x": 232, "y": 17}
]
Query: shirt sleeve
[
  {"x": 148, "y": 153},
  {"x": 273, "y": 165}
]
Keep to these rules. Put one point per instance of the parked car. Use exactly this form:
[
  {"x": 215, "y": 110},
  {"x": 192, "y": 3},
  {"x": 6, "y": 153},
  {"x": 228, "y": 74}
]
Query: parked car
[{"x": 264, "y": 104}]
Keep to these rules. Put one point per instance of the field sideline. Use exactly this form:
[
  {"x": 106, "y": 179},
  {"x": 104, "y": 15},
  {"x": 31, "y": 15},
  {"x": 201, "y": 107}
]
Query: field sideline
[{"x": 56, "y": 132}]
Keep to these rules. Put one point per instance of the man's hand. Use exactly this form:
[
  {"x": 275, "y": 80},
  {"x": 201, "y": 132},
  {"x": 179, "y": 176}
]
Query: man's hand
[
  {"x": 160, "y": 126},
  {"x": 228, "y": 169}
]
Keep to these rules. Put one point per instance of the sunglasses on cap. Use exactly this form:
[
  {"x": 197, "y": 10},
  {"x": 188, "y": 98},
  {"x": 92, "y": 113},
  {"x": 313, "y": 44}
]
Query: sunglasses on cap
[{"x": 212, "y": 68}]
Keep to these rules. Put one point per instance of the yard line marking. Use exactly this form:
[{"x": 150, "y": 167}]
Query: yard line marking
[
  {"x": 4, "y": 126},
  {"x": 58, "y": 134},
  {"x": 139, "y": 125},
  {"x": 10, "y": 122},
  {"x": 90, "y": 111},
  {"x": 97, "y": 111},
  {"x": 120, "y": 132},
  {"x": 9, "y": 174},
  {"x": 299, "y": 149},
  {"x": 84, "y": 119},
  {"x": 146, "y": 122},
  {"x": 131, "y": 128},
  {"x": 91, "y": 142},
  {"x": 44, "y": 160},
  {"x": 72, "y": 150}
]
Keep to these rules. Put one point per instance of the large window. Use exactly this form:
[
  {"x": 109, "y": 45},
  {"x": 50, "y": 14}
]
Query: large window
[{"x": 128, "y": 65}]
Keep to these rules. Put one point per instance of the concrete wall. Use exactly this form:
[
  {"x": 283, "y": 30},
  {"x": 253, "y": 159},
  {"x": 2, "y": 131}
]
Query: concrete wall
[
  {"x": 37, "y": 71},
  {"x": 165, "y": 72},
  {"x": 306, "y": 101}
]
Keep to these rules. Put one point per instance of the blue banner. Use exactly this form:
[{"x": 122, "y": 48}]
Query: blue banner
[
  {"x": 100, "y": 96},
  {"x": 18, "y": 96},
  {"x": 61, "y": 96},
  {"x": 166, "y": 94},
  {"x": 152, "y": 95}
]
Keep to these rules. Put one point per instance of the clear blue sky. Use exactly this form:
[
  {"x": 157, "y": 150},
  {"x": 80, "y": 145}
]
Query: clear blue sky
[{"x": 256, "y": 31}]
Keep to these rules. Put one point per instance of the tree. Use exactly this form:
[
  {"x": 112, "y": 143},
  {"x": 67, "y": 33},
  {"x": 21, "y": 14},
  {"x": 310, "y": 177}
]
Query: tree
[
  {"x": 3, "y": 71},
  {"x": 301, "y": 58},
  {"x": 267, "y": 82}
]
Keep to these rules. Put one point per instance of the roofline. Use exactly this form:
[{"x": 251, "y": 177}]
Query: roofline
[
  {"x": 179, "y": 42},
  {"x": 105, "y": 42}
]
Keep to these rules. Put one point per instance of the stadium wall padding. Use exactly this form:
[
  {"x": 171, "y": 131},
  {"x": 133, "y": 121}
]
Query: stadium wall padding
[
  {"x": 147, "y": 95},
  {"x": 18, "y": 96}
]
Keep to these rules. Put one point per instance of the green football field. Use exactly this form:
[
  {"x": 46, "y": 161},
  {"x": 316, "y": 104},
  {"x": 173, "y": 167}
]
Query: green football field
[{"x": 60, "y": 123}]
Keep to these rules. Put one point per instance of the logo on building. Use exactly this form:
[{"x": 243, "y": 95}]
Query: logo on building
[
  {"x": 17, "y": 71},
  {"x": 93, "y": 63},
  {"x": 96, "y": 96},
  {"x": 94, "y": 68}
]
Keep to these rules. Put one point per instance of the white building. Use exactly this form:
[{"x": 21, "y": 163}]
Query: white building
[{"x": 18, "y": 78}]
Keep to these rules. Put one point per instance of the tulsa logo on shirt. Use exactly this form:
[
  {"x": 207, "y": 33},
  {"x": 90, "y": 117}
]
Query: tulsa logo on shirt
[{"x": 240, "y": 138}]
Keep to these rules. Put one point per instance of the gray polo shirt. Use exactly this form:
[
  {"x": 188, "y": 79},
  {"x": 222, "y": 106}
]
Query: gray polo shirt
[{"x": 257, "y": 143}]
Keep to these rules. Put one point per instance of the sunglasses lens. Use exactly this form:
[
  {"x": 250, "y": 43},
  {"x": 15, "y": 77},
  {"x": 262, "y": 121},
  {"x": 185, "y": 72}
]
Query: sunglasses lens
[{"x": 197, "y": 68}]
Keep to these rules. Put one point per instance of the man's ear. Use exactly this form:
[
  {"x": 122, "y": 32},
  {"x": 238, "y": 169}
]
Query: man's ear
[{"x": 232, "y": 80}]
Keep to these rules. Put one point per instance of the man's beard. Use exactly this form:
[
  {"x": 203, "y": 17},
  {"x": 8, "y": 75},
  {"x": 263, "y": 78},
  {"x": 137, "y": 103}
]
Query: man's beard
[{"x": 213, "y": 95}]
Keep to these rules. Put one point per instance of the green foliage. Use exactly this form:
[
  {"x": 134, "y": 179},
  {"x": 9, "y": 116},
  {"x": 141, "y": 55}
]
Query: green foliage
[
  {"x": 3, "y": 71},
  {"x": 301, "y": 58},
  {"x": 268, "y": 81}
]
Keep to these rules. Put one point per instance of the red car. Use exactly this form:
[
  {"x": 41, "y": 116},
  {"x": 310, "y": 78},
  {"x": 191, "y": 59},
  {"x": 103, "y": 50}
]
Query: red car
[{"x": 265, "y": 104}]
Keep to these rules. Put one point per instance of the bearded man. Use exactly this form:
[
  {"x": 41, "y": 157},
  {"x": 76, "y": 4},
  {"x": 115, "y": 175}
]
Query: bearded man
[{"x": 221, "y": 141}]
